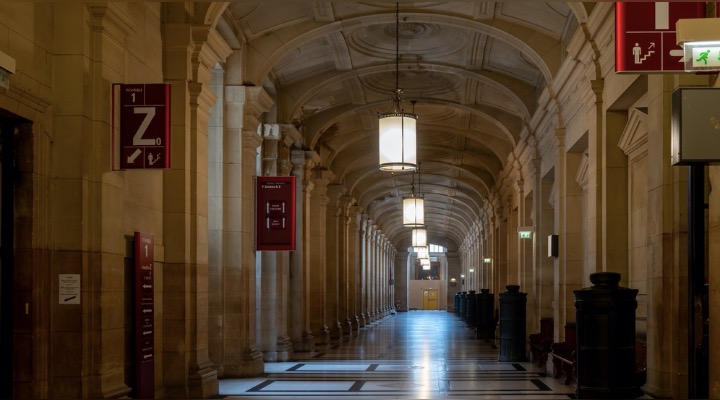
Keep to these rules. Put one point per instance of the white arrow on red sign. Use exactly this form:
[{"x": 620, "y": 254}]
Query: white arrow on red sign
[{"x": 131, "y": 158}]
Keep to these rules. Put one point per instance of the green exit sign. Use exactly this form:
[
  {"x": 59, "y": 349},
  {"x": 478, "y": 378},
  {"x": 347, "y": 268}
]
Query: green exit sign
[
  {"x": 525, "y": 234},
  {"x": 702, "y": 56}
]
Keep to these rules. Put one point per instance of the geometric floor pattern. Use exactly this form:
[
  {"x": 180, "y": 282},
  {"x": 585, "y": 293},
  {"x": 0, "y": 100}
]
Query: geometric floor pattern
[{"x": 410, "y": 355}]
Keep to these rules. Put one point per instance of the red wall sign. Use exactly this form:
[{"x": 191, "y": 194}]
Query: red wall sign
[
  {"x": 144, "y": 317},
  {"x": 645, "y": 35},
  {"x": 275, "y": 213},
  {"x": 144, "y": 125}
]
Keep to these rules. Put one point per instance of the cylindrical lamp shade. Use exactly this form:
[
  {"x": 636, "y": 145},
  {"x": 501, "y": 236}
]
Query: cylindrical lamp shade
[
  {"x": 423, "y": 252},
  {"x": 425, "y": 262},
  {"x": 413, "y": 211},
  {"x": 419, "y": 237},
  {"x": 397, "y": 145}
]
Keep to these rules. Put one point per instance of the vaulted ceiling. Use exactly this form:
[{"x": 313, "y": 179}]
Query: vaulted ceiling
[{"x": 475, "y": 70}]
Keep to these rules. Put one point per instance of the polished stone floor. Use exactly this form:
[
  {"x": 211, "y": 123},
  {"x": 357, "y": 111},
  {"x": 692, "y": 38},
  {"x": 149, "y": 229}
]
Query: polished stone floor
[{"x": 410, "y": 355}]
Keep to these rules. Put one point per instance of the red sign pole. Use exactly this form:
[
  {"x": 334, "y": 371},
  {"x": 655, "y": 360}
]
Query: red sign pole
[{"x": 144, "y": 317}]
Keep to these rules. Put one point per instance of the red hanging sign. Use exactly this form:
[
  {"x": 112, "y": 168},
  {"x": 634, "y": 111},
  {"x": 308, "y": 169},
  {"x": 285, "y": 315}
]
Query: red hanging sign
[
  {"x": 275, "y": 213},
  {"x": 645, "y": 35},
  {"x": 144, "y": 124}
]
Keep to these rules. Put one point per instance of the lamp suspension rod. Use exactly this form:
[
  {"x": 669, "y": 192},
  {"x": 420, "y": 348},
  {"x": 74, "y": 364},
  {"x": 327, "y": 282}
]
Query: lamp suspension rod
[{"x": 397, "y": 52}]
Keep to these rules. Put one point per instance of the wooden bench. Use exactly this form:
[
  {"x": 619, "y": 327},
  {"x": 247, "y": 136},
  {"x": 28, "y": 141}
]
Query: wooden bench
[
  {"x": 640, "y": 362},
  {"x": 564, "y": 355},
  {"x": 540, "y": 342}
]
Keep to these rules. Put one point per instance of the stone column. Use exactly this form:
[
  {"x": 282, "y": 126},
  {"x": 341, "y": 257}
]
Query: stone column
[
  {"x": 385, "y": 279},
  {"x": 334, "y": 242},
  {"x": 492, "y": 252},
  {"x": 546, "y": 264},
  {"x": 569, "y": 265},
  {"x": 527, "y": 250},
  {"x": 378, "y": 272},
  {"x": 372, "y": 272},
  {"x": 354, "y": 267},
  {"x": 243, "y": 107},
  {"x": 401, "y": 279},
  {"x": 362, "y": 270},
  {"x": 318, "y": 262},
  {"x": 186, "y": 368},
  {"x": 667, "y": 291},
  {"x": 346, "y": 273},
  {"x": 298, "y": 310},
  {"x": 501, "y": 250},
  {"x": 289, "y": 134},
  {"x": 269, "y": 302},
  {"x": 379, "y": 267}
]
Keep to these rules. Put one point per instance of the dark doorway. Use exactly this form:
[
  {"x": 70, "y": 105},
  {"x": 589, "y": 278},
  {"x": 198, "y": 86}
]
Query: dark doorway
[
  {"x": 10, "y": 126},
  {"x": 7, "y": 157}
]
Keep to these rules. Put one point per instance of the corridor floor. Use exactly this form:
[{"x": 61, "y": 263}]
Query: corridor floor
[{"x": 410, "y": 355}]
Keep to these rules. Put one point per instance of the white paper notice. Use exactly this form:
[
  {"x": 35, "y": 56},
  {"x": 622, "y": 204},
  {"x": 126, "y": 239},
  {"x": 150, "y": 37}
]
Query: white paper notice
[{"x": 69, "y": 289}]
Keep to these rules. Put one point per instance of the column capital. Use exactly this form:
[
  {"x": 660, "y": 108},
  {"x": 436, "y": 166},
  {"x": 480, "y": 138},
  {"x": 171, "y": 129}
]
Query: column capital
[
  {"x": 290, "y": 134},
  {"x": 269, "y": 131},
  {"x": 320, "y": 179},
  {"x": 251, "y": 140},
  {"x": 256, "y": 101},
  {"x": 334, "y": 193}
]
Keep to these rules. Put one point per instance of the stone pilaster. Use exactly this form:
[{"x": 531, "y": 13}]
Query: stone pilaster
[
  {"x": 361, "y": 294},
  {"x": 354, "y": 267},
  {"x": 401, "y": 280},
  {"x": 318, "y": 262},
  {"x": 299, "y": 308},
  {"x": 269, "y": 294},
  {"x": 334, "y": 242},
  {"x": 284, "y": 347},
  {"x": 186, "y": 367}
]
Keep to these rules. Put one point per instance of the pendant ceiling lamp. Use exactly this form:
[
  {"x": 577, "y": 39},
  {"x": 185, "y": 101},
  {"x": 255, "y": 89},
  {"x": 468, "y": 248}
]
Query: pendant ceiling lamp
[
  {"x": 419, "y": 237},
  {"x": 414, "y": 208},
  {"x": 425, "y": 262},
  {"x": 423, "y": 252},
  {"x": 397, "y": 137}
]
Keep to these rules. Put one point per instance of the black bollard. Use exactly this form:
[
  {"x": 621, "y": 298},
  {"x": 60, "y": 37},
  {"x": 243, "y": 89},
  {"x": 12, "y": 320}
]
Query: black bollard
[
  {"x": 605, "y": 354},
  {"x": 463, "y": 305},
  {"x": 470, "y": 311},
  {"x": 456, "y": 310},
  {"x": 486, "y": 315},
  {"x": 512, "y": 324}
]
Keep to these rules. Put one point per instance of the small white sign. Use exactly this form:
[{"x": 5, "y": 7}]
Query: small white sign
[{"x": 69, "y": 289}]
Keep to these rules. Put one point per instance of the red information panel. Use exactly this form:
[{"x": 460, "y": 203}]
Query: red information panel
[
  {"x": 645, "y": 35},
  {"x": 275, "y": 229},
  {"x": 144, "y": 123},
  {"x": 144, "y": 317}
]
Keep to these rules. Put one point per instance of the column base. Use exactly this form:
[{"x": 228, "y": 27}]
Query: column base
[
  {"x": 307, "y": 343},
  {"x": 348, "y": 329},
  {"x": 355, "y": 321},
  {"x": 323, "y": 337},
  {"x": 270, "y": 356},
  {"x": 336, "y": 333},
  {"x": 284, "y": 348},
  {"x": 204, "y": 383},
  {"x": 120, "y": 392}
]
